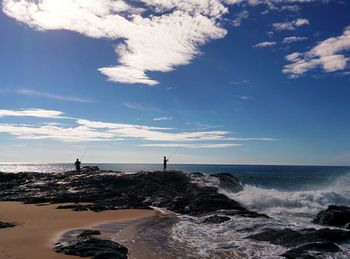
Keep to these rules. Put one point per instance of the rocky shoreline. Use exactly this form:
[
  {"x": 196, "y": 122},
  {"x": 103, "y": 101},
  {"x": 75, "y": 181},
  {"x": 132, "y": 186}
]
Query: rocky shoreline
[
  {"x": 106, "y": 190},
  {"x": 183, "y": 193}
]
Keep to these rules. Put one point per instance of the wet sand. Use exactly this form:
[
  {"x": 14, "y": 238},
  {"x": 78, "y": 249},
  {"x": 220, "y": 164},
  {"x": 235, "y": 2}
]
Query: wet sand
[{"x": 40, "y": 226}]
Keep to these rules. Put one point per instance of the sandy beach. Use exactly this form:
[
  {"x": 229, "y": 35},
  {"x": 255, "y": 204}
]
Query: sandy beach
[{"x": 38, "y": 227}]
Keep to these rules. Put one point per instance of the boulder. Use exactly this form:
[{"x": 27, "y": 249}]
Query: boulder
[
  {"x": 93, "y": 248},
  {"x": 338, "y": 216},
  {"x": 215, "y": 219},
  {"x": 312, "y": 250},
  {"x": 306, "y": 243},
  {"x": 292, "y": 238}
]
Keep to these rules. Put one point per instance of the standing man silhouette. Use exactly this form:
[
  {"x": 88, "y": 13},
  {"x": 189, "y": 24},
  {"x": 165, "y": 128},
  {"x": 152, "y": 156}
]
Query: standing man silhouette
[
  {"x": 77, "y": 165},
  {"x": 165, "y": 161}
]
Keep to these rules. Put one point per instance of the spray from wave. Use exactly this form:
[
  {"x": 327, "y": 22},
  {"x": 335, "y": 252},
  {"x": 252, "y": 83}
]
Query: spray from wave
[
  {"x": 287, "y": 209},
  {"x": 304, "y": 203}
]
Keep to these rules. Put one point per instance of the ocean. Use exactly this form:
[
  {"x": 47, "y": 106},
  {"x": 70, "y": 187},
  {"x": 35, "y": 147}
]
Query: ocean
[{"x": 290, "y": 195}]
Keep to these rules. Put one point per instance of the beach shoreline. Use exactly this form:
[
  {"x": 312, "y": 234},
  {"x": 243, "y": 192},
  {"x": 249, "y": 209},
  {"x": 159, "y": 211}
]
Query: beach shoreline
[
  {"x": 39, "y": 227},
  {"x": 199, "y": 215}
]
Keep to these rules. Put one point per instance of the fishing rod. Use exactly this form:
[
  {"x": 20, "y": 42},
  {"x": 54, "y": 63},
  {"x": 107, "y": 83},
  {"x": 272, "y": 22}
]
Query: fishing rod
[
  {"x": 175, "y": 151},
  {"x": 82, "y": 157}
]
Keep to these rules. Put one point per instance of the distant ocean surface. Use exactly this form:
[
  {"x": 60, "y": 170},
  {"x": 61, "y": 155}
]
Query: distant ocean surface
[{"x": 290, "y": 195}]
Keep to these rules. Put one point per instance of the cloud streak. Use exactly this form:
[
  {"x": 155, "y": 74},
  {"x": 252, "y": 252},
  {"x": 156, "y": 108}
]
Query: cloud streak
[
  {"x": 265, "y": 44},
  {"x": 192, "y": 145},
  {"x": 39, "y": 113},
  {"x": 239, "y": 17},
  {"x": 139, "y": 107},
  {"x": 290, "y": 26},
  {"x": 162, "y": 118},
  {"x": 30, "y": 92},
  {"x": 82, "y": 130},
  {"x": 293, "y": 39}
]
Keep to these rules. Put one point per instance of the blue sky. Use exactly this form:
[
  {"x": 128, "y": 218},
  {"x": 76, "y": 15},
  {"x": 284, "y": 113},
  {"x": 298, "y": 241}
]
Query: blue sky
[{"x": 220, "y": 81}]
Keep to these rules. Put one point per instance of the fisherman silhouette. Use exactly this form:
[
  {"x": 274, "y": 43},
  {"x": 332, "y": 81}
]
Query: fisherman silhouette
[
  {"x": 165, "y": 161},
  {"x": 77, "y": 165}
]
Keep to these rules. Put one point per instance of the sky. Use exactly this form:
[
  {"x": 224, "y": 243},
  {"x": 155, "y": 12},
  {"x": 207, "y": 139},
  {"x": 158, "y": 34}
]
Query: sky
[{"x": 206, "y": 81}]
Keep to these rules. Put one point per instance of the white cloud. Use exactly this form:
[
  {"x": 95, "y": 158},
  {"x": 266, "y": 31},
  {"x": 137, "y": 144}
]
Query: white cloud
[
  {"x": 192, "y": 145},
  {"x": 68, "y": 134},
  {"x": 271, "y": 3},
  {"x": 239, "y": 17},
  {"x": 154, "y": 133},
  {"x": 162, "y": 118},
  {"x": 291, "y": 8},
  {"x": 157, "y": 37},
  {"x": 154, "y": 35},
  {"x": 293, "y": 57},
  {"x": 265, "y": 44},
  {"x": 333, "y": 62},
  {"x": 292, "y": 39},
  {"x": 284, "y": 26},
  {"x": 290, "y": 26},
  {"x": 328, "y": 54},
  {"x": 30, "y": 92},
  {"x": 246, "y": 98},
  {"x": 301, "y": 22},
  {"x": 243, "y": 82},
  {"x": 39, "y": 113},
  {"x": 139, "y": 107},
  {"x": 88, "y": 130}
]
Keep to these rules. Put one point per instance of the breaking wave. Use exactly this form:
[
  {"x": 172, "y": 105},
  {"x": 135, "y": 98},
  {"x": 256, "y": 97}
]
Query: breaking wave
[
  {"x": 304, "y": 203},
  {"x": 287, "y": 209}
]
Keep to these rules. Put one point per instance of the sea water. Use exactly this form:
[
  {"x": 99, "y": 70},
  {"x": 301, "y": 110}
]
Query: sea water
[{"x": 290, "y": 195}]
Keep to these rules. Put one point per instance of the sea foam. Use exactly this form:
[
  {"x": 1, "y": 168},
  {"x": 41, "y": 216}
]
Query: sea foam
[
  {"x": 287, "y": 209},
  {"x": 305, "y": 203}
]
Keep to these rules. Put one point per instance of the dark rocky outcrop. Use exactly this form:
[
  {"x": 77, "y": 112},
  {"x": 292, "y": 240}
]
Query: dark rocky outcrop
[
  {"x": 6, "y": 225},
  {"x": 291, "y": 238},
  {"x": 338, "y": 216},
  {"x": 106, "y": 190},
  {"x": 215, "y": 219},
  {"x": 312, "y": 250},
  {"x": 229, "y": 182},
  {"x": 87, "y": 246},
  {"x": 90, "y": 168},
  {"x": 305, "y": 241},
  {"x": 93, "y": 248}
]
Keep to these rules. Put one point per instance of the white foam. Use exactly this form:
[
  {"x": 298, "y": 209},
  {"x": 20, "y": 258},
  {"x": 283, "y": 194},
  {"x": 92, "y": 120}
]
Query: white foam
[
  {"x": 163, "y": 211},
  {"x": 297, "y": 203},
  {"x": 226, "y": 240},
  {"x": 287, "y": 210},
  {"x": 204, "y": 180}
]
